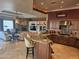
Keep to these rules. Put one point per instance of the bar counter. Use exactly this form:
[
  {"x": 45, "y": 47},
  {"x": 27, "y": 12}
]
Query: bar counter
[
  {"x": 42, "y": 46},
  {"x": 42, "y": 38}
]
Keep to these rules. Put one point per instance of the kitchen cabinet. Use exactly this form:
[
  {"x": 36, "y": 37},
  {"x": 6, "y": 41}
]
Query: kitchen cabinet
[
  {"x": 70, "y": 41},
  {"x": 43, "y": 51},
  {"x": 77, "y": 43}
]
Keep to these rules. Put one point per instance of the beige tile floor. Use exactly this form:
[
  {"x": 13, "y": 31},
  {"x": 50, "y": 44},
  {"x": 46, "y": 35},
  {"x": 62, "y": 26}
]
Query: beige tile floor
[
  {"x": 17, "y": 50},
  {"x": 12, "y": 50},
  {"x": 65, "y": 52}
]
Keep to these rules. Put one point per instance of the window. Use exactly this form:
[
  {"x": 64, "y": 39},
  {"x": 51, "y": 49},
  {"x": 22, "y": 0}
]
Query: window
[{"x": 8, "y": 24}]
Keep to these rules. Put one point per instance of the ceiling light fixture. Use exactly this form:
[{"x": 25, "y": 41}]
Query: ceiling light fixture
[
  {"x": 42, "y": 3},
  {"x": 77, "y": 4},
  {"x": 62, "y": 1}
]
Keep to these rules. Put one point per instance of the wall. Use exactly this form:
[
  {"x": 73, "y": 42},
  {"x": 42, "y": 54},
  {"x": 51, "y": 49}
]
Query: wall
[
  {"x": 71, "y": 15},
  {"x": 24, "y": 22}
]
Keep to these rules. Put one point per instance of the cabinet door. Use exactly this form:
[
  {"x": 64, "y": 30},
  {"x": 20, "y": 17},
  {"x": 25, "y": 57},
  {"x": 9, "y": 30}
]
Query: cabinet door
[
  {"x": 42, "y": 51},
  {"x": 54, "y": 25},
  {"x": 77, "y": 44},
  {"x": 70, "y": 41}
]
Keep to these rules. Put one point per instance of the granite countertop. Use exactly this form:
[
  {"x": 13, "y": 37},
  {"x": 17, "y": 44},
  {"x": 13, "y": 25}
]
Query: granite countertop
[
  {"x": 42, "y": 38},
  {"x": 67, "y": 36}
]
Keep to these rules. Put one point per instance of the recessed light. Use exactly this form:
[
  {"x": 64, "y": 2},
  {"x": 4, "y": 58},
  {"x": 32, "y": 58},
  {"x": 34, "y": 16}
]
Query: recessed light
[
  {"x": 62, "y": 1},
  {"x": 77, "y": 4},
  {"x": 42, "y": 3}
]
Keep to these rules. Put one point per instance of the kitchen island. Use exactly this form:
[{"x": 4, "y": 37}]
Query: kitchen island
[{"x": 42, "y": 46}]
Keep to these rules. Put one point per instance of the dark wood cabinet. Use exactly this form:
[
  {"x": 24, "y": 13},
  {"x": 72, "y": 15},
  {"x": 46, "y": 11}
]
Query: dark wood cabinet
[
  {"x": 77, "y": 43},
  {"x": 70, "y": 41},
  {"x": 42, "y": 51}
]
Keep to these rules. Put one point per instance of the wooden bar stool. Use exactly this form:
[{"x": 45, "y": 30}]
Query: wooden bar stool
[
  {"x": 29, "y": 47},
  {"x": 30, "y": 50}
]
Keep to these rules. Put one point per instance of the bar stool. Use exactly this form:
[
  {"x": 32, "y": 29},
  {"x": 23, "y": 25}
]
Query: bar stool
[{"x": 29, "y": 47}]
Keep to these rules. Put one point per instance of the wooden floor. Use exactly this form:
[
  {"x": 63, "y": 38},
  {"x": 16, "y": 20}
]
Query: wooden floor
[{"x": 16, "y": 50}]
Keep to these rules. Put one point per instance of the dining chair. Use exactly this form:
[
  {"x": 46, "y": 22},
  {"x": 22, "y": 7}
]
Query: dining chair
[
  {"x": 9, "y": 35},
  {"x": 29, "y": 47}
]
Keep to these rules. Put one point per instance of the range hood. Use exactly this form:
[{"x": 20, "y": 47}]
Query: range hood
[{"x": 65, "y": 23}]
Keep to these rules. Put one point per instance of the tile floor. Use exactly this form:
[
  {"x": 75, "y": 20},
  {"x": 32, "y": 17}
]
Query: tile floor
[
  {"x": 12, "y": 50},
  {"x": 17, "y": 50},
  {"x": 65, "y": 52}
]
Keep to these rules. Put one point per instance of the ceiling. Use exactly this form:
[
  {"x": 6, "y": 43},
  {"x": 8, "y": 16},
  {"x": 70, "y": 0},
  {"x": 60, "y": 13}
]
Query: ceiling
[
  {"x": 55, "y": 5},
  {"x": 23, "y": 8},
  {"x": 18, "y": 8}
]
